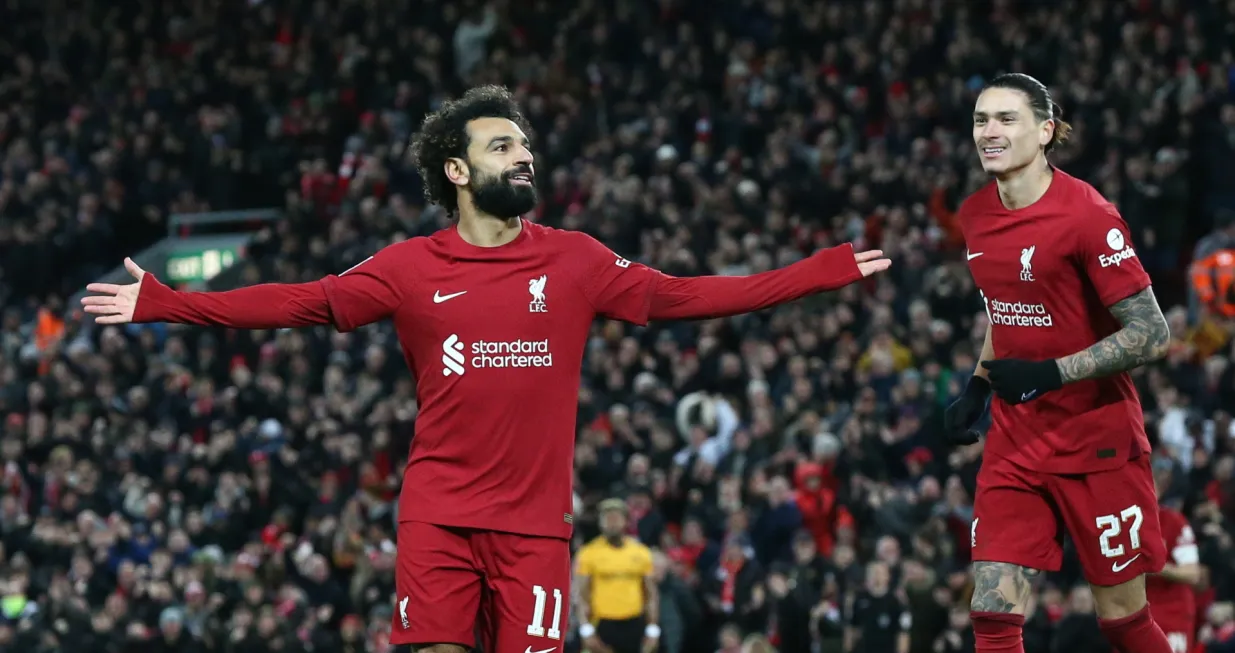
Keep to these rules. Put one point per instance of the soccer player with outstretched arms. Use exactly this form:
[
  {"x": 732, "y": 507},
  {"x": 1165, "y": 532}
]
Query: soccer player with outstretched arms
[{"x": 493, "y": 315}]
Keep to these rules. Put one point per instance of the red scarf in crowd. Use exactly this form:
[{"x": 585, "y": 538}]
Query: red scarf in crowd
[
  {"x": 686, "y": 555},
  {"x": 729, "y": 589},
  {"x": 1226, "y": 633}
]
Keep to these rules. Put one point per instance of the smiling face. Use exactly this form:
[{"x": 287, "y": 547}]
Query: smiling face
[
  {"x": 498, "y": 171},
  {"x": 1008, "y": 135}
]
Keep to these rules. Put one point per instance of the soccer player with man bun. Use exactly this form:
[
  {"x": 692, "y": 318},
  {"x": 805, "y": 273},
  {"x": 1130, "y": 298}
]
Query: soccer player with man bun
[
  {"x": 1071, "y": 310},
  {"x": 493, "y": 315}
]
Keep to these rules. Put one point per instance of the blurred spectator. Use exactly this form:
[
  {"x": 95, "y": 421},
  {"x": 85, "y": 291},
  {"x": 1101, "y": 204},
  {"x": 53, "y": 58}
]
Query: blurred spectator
[
  {"x": 1078, "y": 629},
  {"x": 880, "y": 621},
  {"x": 1218, "y": 633}
]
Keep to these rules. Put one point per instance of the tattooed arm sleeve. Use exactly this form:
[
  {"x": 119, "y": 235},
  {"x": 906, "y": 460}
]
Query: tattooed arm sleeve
[{"x": 1144, "y": 337}]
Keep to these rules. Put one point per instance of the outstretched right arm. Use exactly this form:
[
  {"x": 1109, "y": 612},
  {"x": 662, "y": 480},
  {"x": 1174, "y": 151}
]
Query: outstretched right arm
[
  {"x": 265, "y": 306},
  {"x": 360, "y": 296}
]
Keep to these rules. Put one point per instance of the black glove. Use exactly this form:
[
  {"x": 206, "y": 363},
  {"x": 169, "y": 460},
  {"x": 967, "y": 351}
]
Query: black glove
[
  {"x": 960, "y": 420},
  {"x": 1017, "y": 381}
]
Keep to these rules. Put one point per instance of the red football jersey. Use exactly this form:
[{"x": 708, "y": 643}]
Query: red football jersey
[
  {"x": 1174, "y": 604},
  {"x": 495, "y": 338},
  {"x": 1047, "y": 273}
]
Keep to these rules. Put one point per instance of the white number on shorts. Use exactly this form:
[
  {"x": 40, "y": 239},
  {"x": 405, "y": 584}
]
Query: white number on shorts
[
  {"x": 537, "y": 627},
  {"x": 1179, "y": 642},
  {"x": 1111, "y": 526}
]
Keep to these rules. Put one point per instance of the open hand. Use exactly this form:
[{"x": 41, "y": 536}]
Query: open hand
[
  {"x": 115, "y": 303},
  {"x": 871, "y": 262}
]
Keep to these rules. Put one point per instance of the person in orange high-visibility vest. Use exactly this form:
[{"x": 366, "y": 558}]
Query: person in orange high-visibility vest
[
  {"x": 1213, "y": 279},
  {"x": 48, "y": 329}
]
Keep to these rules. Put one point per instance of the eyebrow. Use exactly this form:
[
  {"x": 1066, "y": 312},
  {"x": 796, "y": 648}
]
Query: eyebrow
[
  {"x": 998, "y": 114},
  {"x": 508, "y": 139}
]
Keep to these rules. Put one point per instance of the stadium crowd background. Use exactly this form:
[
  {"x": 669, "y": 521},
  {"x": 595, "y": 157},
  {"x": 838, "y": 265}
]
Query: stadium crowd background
[{"x": 169, "y": 489}]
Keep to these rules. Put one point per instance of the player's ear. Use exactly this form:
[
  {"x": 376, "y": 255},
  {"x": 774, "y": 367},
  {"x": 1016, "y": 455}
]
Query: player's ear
[
  {"x": 457, "y": 171},
  {"x": 1046, "y": 133}
]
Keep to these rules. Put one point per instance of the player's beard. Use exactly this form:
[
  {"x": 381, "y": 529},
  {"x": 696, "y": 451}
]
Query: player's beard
[{"x": 499, "y": 197}]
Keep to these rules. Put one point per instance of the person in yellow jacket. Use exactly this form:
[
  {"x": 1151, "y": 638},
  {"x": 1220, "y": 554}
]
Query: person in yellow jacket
[{"x": 615, "y": 594}]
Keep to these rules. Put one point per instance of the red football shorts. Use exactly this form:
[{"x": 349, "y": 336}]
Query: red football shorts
[
  {"x": 1020, "y": 517},
  {"x": 455, "y": 585}
]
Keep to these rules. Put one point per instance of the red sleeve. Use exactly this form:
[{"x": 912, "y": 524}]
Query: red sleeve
[
  {"x": 1104, "y": 251},
  {"x": 1180, "y": 540},
  {"x": 1170, "y": 526},
  {"x": 266, "y": 306},
  {"x": 618, "y": 288},
  {"x": 684, "y": 298},
  {"x": 368, "y": 292},
  {"x": 632, "y": 292},
  {"x": 349, "y": 300}
]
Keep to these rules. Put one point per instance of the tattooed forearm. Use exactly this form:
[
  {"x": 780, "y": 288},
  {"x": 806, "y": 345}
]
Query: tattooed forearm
[
  {"x": 1001, "y": 587},
  {"x": 1143, "y": 338}
]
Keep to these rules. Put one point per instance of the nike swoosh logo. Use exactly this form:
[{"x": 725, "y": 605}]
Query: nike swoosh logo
[
  {"x": 1028, "y": 395},
  {"x": 970, "y": 257},
  {"x": 438, "y": 298},
  {"x": 1116, "y": 567},
  {"x": 548, "y": 650}
]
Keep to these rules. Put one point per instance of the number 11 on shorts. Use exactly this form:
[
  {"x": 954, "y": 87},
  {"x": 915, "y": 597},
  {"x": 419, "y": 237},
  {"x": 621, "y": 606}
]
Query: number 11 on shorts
[
  {"x": 1112, "y": 525},
  {"x": 537, "y": 627}
]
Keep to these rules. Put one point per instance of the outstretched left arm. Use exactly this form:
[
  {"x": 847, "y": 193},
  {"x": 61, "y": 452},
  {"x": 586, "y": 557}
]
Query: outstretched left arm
[
  {"x": 624, "y": 290},
  {"x": 1143, "y": 338},
  {"x": 698, "y": 298}
]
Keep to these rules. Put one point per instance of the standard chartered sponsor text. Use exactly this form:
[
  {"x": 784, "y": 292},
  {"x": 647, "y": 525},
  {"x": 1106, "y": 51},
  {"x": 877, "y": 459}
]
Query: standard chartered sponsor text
[
  {"x": 1020, "y": 314},
  {"x": 511, "y": 354}
]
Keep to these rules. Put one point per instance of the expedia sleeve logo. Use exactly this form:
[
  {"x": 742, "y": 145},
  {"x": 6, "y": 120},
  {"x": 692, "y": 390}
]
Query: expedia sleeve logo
[{"x": 1118, "y": 244}]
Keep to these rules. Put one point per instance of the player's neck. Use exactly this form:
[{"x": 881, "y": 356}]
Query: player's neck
[
  {"x": 486, "y": 231},
  {"x": 616, "y": 540},
  {"x": 1025, "y": 186}
]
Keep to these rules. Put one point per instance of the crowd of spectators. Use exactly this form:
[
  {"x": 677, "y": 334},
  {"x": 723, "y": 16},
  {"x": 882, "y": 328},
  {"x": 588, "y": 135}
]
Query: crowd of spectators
[{"x": 189, "y": 490}]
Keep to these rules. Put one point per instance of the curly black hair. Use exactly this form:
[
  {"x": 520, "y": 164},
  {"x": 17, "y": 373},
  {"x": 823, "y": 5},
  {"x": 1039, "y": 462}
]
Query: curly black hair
[{"x": 443, "y": 135}]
